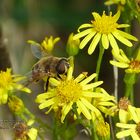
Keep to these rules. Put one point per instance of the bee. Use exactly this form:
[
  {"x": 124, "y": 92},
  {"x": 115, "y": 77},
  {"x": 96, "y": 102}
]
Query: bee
[{"x": 48, "y": 65}]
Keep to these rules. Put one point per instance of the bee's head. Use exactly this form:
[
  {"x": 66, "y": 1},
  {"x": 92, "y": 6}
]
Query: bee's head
[{"x": 62, "y": 66}]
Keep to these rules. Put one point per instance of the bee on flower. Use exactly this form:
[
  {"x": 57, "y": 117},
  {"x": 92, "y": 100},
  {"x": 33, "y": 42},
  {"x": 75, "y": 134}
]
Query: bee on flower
[
  {"x": 68, "y": 91},
  {"x": 105, "y": 29}
]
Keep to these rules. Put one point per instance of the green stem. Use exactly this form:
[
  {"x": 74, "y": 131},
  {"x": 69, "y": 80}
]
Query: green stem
[
  {"x": 93, "y": 134},
  {"x": 99, "y": 61},
  {"x": 130, "y": 80}
]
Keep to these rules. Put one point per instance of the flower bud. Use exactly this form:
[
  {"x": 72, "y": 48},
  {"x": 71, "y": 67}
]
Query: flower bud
[
  {"x": 72, "y": 47},
  {"x": 15, "y": 104},
  {"x": 103, "y": 130}
]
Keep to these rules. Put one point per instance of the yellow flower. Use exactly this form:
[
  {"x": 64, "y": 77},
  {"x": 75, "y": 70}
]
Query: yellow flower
[
  {"x": 9, "y": 84},
  {"x": 122, "y": 61},
  {"x": 68, "y": 92},
  {"x": 105, "y": 102},
  {"x": 15, "y": 104},
  {"x": 46, "y": 46},
  {"x": 106, "y": 29},
  {"x": 132, "y": 130},
  {"x": 48, "y": 43}
]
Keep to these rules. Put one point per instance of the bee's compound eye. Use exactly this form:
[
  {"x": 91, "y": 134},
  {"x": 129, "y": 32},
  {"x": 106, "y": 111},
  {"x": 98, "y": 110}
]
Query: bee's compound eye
[{"x": 62, "y": 66}]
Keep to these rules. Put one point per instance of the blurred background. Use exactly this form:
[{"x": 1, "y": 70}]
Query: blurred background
[{"x": 23, "y": 20}]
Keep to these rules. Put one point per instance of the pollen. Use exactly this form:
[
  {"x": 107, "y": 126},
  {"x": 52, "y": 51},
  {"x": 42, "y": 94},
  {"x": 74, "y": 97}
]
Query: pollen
[
  {"x": 68, "y": 91},
  {"x": 105, "y": 24},
  {"x": 134, "y": 65},
  {"x": 123, "y": 103},
  {"x": 138, "y": 129}
]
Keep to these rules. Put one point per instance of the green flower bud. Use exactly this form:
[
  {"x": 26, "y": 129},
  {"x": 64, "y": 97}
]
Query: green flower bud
[
  {"x": 72, "y": 47},
  {"x": 15, "y": 104}
]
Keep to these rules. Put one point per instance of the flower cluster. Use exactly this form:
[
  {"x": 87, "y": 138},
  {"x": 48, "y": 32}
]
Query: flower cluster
[{"x": 9, "y": 84}]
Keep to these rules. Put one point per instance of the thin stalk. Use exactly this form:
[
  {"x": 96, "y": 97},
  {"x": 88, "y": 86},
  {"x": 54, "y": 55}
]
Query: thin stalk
[
  {"x": 99, "y": 61},
  {"x": 130, "y": 80}
]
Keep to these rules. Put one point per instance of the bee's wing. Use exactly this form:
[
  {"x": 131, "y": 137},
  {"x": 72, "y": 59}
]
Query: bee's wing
[{"x": 36, "y": 50}]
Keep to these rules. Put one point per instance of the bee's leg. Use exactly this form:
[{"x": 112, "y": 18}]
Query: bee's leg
[{"x": 46, "y": 84}]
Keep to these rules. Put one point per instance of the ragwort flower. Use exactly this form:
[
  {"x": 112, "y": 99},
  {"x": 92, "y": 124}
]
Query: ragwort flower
[
  {"x": 65, "y": 93},
  {"x": 122, "y": 61},
  {"x": 132, "y": 130},
  {"x": 106, "y": 29},
  {"x": 105, "y": 102},
  {"x": 46, "y": 46},
  {"x": 9, "y": 84}
]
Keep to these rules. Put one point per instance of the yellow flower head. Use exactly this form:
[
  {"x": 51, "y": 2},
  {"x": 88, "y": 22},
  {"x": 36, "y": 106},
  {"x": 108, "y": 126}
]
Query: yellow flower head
[
  {"x": 68, "y": 92},
  {"x": 48, "y": 43},
  {"x": 46, "y": 46},
  {"x": 9, "y": 84},
  {"x": 105, "y": 29},
  {"x": 103, "y": 103},
  {"x": 122, "y": 61},
  {"x": 15, "y": 104},
  {"x": 133, "y": 129}
]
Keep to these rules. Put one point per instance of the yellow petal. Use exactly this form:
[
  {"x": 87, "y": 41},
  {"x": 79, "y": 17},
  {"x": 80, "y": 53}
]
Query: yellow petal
[
  {"x": 123, "y": 116},
  {"x": 86, "y": 39},
  {"x": 119, "y": 64},
  {"x": 116, "y": 16},
  {"x": 82, "y": 34},
  {"x": 41, "y": 97},
  {"x": 92, "y": 85},
  {"x": 69, "y": 73},
  {"x": 96, "y": 16},
  {"x": 86, "y": 25},
  {"x": 83, "y": 109},
  {"x": 92, "y": 94},
  {"x": 123, "y": 25},
  {"x": 133, "y": 113},
  {"x": 81, "y": 77},
  {"x": 126, "y": 35},
  {"x": 47, "y": 103},
  {"x": 65, "y": 110},
  {"x": 135, "y": 136},
  {"x": 129, "y": 126},
  {"x": 54, "y": 82},
  {"x": 124, "y": 133},
  {"x": 87, "y": 104},
  {"x": 94, "y": 43},
  {"x": 88, "y": 79},
  {"x": 113, "y": 43},
  {"x": 122, "y": 39},
  {"x": 105, "y": 41}
]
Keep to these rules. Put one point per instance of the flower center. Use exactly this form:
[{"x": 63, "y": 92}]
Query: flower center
[
  {"x": 135, "y": 65},
  {"x": 68, "y": 91},
  {"x": 123, "y": 103},
  {"x": 105, "y": 24},
  {"x": 138, "y": 129}
]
